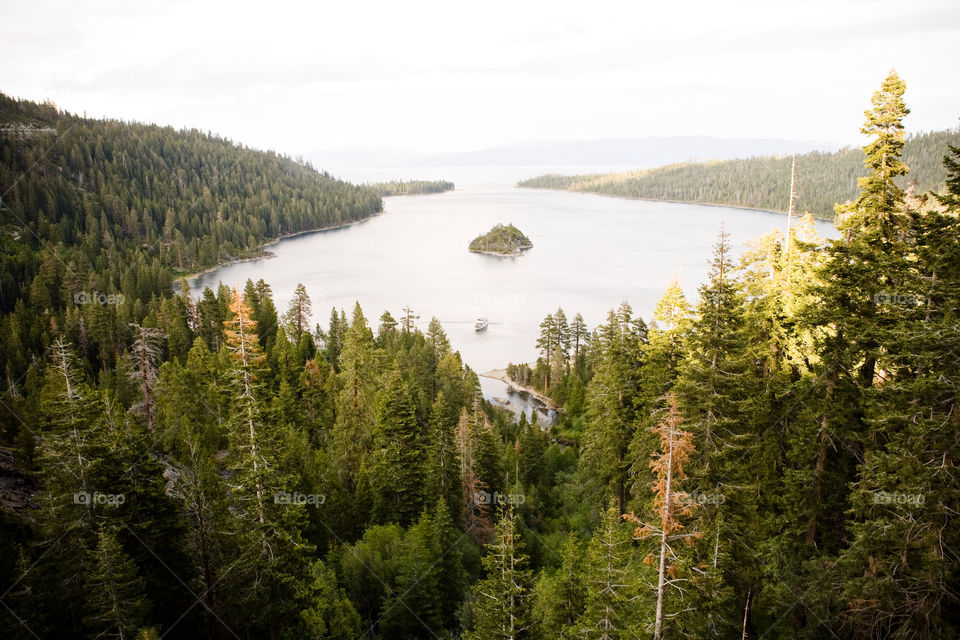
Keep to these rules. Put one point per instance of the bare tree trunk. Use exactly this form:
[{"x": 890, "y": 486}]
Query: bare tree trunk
[
  {"x": 746, "y": 614},
  {"x": 664, "y": 523}
]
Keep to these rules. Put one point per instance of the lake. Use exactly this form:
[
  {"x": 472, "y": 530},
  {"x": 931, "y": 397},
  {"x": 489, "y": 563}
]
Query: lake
[{"x": 590, "y": 253}]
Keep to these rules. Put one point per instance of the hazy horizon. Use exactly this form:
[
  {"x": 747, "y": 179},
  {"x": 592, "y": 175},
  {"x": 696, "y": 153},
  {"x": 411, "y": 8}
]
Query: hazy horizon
[{"x": 435, "y": 78}]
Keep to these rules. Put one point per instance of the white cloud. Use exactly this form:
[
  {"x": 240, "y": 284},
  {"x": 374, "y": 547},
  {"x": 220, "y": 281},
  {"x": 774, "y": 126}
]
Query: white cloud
[{"x": 435, "y": 76}]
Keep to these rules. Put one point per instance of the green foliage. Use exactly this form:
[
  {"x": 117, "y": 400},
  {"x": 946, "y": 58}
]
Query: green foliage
[
  {"x": 610, "y": 582},
  {"x": 504, "y": 240},
  {"x": 823, "y": 179},
  {"x": 327, "y": 614},
  {"x": 123, "y": 203},
  {"x": 202, "y": 469},
  {"x": 116, "y": 604},
  {"x": 561, "y": 594},
  {"x": 501, "y": 601},
  {"x": 409, "y": 187},
  {"x": 396, "y": 471}
]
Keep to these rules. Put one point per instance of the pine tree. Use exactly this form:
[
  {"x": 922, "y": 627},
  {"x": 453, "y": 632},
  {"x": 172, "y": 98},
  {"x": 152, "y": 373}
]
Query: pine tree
[
  {"x": 388, "y": 326},
  {"x": 413, "y": 609},
  {"x": 145, "y": 357},
  {"x": 476, "y": 510},
  {"x": 723, "y": 402},
  {"x": 297, "y": 318},
  {"x": 209, "y": 542},
  {"x": 355, "y": 410},
  {"x": 670, "y": 502},
  {"x": 672, "y": 308},
  {"x": 847, "y": 316},
  {"x": 546, "y": 343},
  {"x": 501, "y": 605},
  {"x": 951, "y": 197},
  {"x": 246, "y": 436},
  {"x": 437, "y": 338},
  {"x": 560, "y": 596},
  {"x": 558, "y": 371},
  {"x": 333, "y": 340},
  {"x": 443, "y": 472},
  {"x": 396, "y": 470},
  {"x": 72, "y": 461},
  {"x": 898, "y": 570},
  {"x": 486, "y": 460},
  {"x": 210, "y": 317},
  {"x": 609, "y": 581},
  {"x": 879, "y": 194},
  {"x": 561, "y": 338},
  {"x": 452, "y": 574},
  {"x": 268, "y": 532},
  {"x": 316, "y": 399},
  {"x": 579, "y": 335},
  {"x": 116, "y": 604},
  {"x": 610, "y": 407},
  {"x": 328, "y": 614}
]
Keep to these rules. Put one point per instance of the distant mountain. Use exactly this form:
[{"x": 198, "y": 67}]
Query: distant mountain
[{"x": 638, "y": 152}]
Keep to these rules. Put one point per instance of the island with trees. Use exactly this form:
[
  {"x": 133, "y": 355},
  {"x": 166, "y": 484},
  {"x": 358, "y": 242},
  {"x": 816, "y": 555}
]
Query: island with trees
[
  {"x": 774, "y": 457},
  {"x": 410, "y": 187},
  {"x": 501, "y": 240}
]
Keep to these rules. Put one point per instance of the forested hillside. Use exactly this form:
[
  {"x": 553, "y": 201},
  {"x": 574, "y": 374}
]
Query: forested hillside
[
  {"x": 410, "y": 187},
  {"x": 125, "y": 205},
  {"x": 774, "y": 458},
  {"x": 822, "y": 179}
]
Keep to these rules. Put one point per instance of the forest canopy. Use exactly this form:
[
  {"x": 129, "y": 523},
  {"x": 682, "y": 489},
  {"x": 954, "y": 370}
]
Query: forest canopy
[
  {"x": 115, "y": 201},
  {"x": 410, "y": 187},
  {"x": 774, "y": 457},
  {"x": 822, "y": 179}
]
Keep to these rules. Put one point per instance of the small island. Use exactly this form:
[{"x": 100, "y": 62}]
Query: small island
[{"x": 501, "y": 240}]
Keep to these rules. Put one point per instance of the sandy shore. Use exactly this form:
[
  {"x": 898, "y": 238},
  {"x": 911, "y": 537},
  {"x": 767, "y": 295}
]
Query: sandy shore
[{"x": 501, "y": 375}]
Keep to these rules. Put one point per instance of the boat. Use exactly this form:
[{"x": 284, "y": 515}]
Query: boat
[{"x": 480, "y": 324}]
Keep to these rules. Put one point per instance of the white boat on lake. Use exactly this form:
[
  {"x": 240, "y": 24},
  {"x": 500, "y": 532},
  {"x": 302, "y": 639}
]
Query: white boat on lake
[{"x": 480, "y": 324}]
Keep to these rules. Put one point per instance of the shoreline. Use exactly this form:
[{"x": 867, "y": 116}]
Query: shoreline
[
  {"x": 516, "y": 254},
  {"x": 704, "y": 204},
  {"x": 425, "y": 193},
  {"x": 267, "y": 255},
  {"x": 501, "y": 375}
]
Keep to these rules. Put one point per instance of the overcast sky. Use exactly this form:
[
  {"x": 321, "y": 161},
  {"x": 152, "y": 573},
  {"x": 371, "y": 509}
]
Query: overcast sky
[{"x": 451, "y": 76}]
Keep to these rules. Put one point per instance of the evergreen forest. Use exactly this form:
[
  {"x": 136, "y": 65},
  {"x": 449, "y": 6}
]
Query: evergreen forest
[
  {"x": 821, "y": 179},
  {"x": 774, "y": 456}
]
